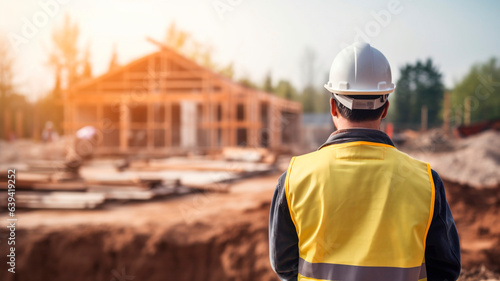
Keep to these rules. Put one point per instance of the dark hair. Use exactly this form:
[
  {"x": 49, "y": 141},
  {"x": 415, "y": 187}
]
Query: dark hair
[{"x": 360, "y": 115}]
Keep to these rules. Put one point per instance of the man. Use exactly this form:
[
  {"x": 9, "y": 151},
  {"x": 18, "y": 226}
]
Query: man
[
  {"x": 85, "y": 143},
  {"x": 357, "y": 208}
]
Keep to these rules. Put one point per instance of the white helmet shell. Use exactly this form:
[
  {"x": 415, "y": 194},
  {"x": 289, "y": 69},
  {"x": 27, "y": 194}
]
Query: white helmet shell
[{"x": 360, "y": 69}]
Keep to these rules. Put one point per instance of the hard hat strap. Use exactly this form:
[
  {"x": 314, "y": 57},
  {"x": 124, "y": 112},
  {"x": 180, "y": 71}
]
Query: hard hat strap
[{"x": 352, "y": 103}]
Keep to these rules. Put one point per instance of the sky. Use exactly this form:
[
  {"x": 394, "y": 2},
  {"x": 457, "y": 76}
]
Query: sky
[{"x": 258, "y": 36}]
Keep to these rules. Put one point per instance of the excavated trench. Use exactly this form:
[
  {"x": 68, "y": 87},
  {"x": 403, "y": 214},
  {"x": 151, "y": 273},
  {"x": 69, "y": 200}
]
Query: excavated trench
[{"x": 198, "y": 251}]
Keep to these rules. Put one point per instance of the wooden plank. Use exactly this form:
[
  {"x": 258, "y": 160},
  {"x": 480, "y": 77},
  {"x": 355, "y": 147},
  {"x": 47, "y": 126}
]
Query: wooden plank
[
  {"x": 140, "y": 183},
  {"x": 110, "y": 97},
  {"x": 60, "y": 186},
  {"x": 55, "y": 200},
  {"x": 46, "y": 165},
  {"x": 122, "y": 192},
  {"x": 139, "y": 84},
  {"x": 170, "y": 74},
  {"x": 26, "y": 178}
]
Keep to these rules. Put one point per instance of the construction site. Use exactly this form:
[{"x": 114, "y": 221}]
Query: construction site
[{"x": 166, "y": 170}]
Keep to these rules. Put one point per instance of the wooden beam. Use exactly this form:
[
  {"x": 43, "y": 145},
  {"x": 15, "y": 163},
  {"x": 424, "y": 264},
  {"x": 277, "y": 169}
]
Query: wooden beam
[
  {"x": 36, "y": 124},
  {"x": 66, "y": 117},
  {"x": 275, "y": 124},
  {"x": 100, "y": 121},
  {"x": 231, "y": 117},
  {"x": 73, "y": 111},
  {"x": 150, "y": 105},
  {"x": 168, "y": 124},
  {"x": 170, "y": 74},
  {"x": 19, "y": 124},
  {"x": 211, "y": 113},
  {"x": 6, "y": 124},
  {"x": 254, "y": 123},
  {"x": 124, "y": 125}
]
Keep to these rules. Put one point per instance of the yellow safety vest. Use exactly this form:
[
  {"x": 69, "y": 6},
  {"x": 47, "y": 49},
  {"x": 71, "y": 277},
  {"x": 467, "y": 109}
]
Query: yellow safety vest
[{"x": 362, "y": 211}]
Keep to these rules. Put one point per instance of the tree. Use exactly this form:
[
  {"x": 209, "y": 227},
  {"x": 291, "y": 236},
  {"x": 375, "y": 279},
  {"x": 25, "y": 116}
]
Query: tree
[
  {"x": 481, "y": 86},
  {"x": 86, "y": 65},
  {"x": 6, "y": 79},
  {"x": 11, "y": 101},
  {"x": 113, "y": 62},
  {"x": 176, "y": 39},
  {"x": 183, "y": 43},
  {"x": 268, "y": 83},
  {"x": 227, "y": 71},
  {"x": 70, "y": 66},
  {"x": 419, "y": 85},
  {"x": 308, "y": 99},
  {"x": 286, "y": 90},
  {"x": 6, "y": 72},
  {"x": 313, "y": 99},
  {"x": 64, "y": 55},
  {"x": 245, "y": 81}
]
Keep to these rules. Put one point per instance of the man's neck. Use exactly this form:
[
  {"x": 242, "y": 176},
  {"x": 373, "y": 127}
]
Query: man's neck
[{"x": 344, "y": 125}]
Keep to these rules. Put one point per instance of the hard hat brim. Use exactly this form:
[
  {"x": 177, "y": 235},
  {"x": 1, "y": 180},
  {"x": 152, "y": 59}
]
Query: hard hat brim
[{"x": 355, "y": 92}]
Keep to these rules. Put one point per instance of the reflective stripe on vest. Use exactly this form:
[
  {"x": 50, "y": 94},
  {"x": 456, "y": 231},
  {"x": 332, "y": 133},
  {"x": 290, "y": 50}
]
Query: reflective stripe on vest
[
  {"x": 327, "y": 271},
  {"x": 362, "y": 211}
]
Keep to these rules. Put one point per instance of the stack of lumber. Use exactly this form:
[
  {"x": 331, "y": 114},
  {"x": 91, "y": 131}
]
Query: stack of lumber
[{"x": 60, "y": 190}]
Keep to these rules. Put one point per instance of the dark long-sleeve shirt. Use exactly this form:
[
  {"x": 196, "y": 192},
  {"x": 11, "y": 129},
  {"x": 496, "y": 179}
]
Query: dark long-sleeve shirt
[{"x": 442, "y": 252}]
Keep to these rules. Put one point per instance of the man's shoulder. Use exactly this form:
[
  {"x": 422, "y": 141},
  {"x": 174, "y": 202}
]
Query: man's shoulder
[
  {"x": 410, "y": 157},
  {"x": 313, "y": 158},
  {"x": 307, "y": 155}
]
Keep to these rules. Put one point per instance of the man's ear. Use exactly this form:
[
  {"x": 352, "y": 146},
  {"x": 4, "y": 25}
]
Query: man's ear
[
  {"x": 333, "y": 107},
  {"x": 386, "y": 109}
]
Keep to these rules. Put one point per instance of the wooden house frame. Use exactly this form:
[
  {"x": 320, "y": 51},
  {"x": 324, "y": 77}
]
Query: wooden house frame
[{"x": 165, "y": 103}]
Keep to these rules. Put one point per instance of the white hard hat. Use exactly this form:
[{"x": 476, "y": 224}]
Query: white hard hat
[
  {"x": 360, "y": 69},
  {"x": 86, "y": 132}
]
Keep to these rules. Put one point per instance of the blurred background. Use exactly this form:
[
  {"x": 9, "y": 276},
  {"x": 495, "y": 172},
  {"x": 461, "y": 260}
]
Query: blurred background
[{"x": 148, "y": 136}]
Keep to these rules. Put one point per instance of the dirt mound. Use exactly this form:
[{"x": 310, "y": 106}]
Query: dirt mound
[
  {"x": 477, "y": 216},
  {"x": 432, "y": 141},
  {"x": 474, "y": 161}
]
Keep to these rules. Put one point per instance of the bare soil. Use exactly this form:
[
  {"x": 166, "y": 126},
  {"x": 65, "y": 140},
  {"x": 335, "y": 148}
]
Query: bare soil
[{"x": 211, "y": 236}]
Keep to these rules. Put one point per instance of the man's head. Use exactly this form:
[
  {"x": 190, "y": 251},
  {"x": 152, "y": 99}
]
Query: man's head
[{"x": 360, "y": 83}]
